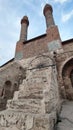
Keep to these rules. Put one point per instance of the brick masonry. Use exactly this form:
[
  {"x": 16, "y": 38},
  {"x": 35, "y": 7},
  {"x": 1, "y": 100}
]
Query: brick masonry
[{"x": 39, "y": 45}]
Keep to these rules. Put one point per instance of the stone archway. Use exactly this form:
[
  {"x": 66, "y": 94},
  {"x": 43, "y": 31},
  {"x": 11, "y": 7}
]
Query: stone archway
[
  {"x": 67, "y": 76},
  {"x": 71, "y": 77}
]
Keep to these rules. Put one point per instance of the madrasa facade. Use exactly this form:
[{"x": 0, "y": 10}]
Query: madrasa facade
[{"x": 38, "y": 81}]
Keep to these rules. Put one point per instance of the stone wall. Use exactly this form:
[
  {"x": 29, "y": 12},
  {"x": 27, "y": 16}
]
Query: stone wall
[
  {"x": 64, "y": 63},
  {"x": 11, "y": 76},
  {"x": 36, "y": 104},
  {"x": 68, "y": 47}
]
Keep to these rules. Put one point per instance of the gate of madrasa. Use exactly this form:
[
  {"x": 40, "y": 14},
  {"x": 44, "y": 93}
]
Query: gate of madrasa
[{"x": 67, "y": 75}]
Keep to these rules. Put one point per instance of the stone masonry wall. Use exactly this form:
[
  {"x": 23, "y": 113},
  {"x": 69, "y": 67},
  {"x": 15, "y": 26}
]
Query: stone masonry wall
[
  {"x": 36, "y": 104},
  {"x": 11, "y": 76},
  {"x": 61, "y": 60},
  {"x": 68, "y": 47}
]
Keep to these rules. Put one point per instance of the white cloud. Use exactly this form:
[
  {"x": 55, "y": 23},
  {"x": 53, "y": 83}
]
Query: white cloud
[
  {"x": 66, "y": 17},
  {"x": 61, "y": 1}
]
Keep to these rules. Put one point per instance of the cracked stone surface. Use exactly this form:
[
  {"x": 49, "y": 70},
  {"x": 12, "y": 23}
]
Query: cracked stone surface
[
  {"x": 36, "y": 103},
  {"x": 66, "y": 116}
]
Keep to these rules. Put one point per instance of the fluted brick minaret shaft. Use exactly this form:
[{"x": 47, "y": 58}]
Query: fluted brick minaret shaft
[
  {"x": 24, "y": 28},
  {"x": 48, "y": 15}
]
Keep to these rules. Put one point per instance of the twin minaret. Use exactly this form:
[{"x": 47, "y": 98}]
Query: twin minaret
[
  {"x": 52, "y": 37},
  {"x": 48, "y": 15},
  {"x": 24, "y": 28},
  {"x": 25, "y": 22}
]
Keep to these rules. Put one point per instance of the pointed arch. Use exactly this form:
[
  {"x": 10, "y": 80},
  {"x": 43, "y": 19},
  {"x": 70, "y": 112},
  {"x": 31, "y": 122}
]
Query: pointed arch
[{"x": 67, "y": 76}]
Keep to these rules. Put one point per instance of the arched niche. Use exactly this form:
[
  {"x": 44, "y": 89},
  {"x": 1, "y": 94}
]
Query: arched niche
[
  {"x": 7, "y": 89},
  {"x": 67, "y": 76},
  {"x": 8, "y": 83}
]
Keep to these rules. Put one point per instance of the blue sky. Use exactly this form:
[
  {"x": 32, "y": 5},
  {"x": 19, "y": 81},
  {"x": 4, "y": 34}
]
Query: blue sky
[{"x": 11, "y": 12}]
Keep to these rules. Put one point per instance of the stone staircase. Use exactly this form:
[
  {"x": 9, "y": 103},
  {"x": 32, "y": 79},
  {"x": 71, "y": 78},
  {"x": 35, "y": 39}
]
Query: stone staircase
[
  {"x": 28, "y": 99},
  {"x": 34, "y": 105}
]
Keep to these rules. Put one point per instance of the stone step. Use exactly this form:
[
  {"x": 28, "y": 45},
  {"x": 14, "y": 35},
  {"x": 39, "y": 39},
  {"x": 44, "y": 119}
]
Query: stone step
[
  {"x": 13, "y": 120},
  {"x": 16, "y": 93},
  {"x": 28, "y": 106},
  {"x": 31, "y": 94}
]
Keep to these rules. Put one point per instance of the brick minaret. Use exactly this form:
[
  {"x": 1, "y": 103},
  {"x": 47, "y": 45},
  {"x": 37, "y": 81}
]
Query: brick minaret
[
  {"x": 23, "y": 38},
  {"x": 48, "y": 15},
  {"x": 53, "y": 35},
  {"x": 24, "y": 28}
]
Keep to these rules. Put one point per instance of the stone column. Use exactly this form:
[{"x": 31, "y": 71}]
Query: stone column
[
  {"x": 24, "y": 28},
  {"x": 48, "y": 15}
]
